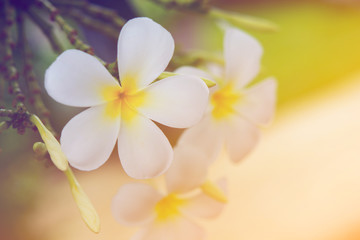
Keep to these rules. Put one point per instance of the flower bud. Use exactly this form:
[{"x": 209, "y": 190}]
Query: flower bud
[{"x": 52, "y": 145}]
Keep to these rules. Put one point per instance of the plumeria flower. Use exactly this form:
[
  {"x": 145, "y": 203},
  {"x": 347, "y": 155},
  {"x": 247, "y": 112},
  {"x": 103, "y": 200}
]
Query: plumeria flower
[
  {"x": 124, "y": 112},
  {"x": 235, "y": 111},
  {"x": 169, "y": 215}
]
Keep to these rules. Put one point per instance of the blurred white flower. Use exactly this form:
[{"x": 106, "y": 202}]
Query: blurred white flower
[
  {"x": 169, "y": 215},
  {"x": 122, "y": 112},
  {"x": 234, "y": 110}
]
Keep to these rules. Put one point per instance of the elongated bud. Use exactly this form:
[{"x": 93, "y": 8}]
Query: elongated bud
[
  {"x": 87, "y": 210},
  {"x": 240, "y": 20},
  {"x": 53, "y": 146},
  {"x": 208, "y": 82},
  {"x": 212, "y": 190}
]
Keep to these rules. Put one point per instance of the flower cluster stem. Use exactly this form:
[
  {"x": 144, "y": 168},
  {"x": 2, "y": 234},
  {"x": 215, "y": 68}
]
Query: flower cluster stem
[
  {"x": 93, "y": 23},
  {"x": 32, "y": 84},
  {"x": 94, "y": 12},
  {"x": 46, "y": 28},
  {"x": 197, "y": 5},
  {"x": 11, "y": 73},
  {"x": 70, "y": 32}
]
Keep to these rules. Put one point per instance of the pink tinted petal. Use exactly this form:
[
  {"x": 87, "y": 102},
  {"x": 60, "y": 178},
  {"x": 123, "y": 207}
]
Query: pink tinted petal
[
  {"x": 259, "y": 102},
  {"x": 201, "y": 205},
  {"x": 134, "y": 204},
  {"x": 178, "y": 229},
  {"x": 242, "y": 55},
  {"x": 188, "y": 170},
  {"x": 206, "y": 136},
  {"x": 241, "y": 137}
]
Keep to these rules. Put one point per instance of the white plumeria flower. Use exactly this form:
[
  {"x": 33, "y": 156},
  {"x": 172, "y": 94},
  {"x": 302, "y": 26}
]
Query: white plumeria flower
[
  {"x": 234, "y": 111},
  {"x": 170, "y": 215},
  {"x": 122, "y": 112}
]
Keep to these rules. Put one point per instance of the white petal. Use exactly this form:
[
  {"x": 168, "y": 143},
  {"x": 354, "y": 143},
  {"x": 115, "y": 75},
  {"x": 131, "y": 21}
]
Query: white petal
[
  {"x": 178, "y": 101},
  {"x": 259, "y": 102},
  {"x": 205, "y": 136},
  {"x": 134, "y": 204},
  {"x": 201, "y": 205},
  {"x": 188, "y": 170},
  {"x": 89, "y": 138},
  {"x": 179, "y": 229},
  {"x": 241, "y": 137},
  {"x": 144, "y": 150},
  {"x": 242, "y": 55},
  {"x": 144, "y": 50},
  {"x": 216, "y": 70},
  {"x": 192, "y": 71},
  {"x": 78, "y": 79}
]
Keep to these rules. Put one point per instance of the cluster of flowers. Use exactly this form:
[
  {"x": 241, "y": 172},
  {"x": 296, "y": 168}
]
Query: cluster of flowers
[{"x": 226, "y": 117}]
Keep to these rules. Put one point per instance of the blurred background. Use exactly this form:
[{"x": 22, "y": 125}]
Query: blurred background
[{"x": 302, "y": 182}]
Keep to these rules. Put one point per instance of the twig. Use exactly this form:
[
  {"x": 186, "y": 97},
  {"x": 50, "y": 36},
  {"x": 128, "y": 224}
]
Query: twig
[
  {"x": 11, "y": 72},
  {"x": 194, "y": 58},
  {"x": 6, "y": 112},
  {"x": 32, "y": 84},
  {"x": 94, "y": 11},
  {"x": 93, "y": 23},
  {"x": 194, "y": 5},
  {"x": 70, "y": 32},
  {"x": 46, "y": 28}
]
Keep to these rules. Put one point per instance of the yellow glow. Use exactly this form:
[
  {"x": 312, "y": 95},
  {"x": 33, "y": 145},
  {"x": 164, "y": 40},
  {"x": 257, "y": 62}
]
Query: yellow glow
[
  {"x": 130, "y": 84},
  {"x": 111, "y": 93},
  {"x": 113, "y": 109},
  {"x": 168, "y": 207},
  {"x": 223, "y": 102},
  {"x": 122, "y": 101},
  {"x": 128, "y": 114}
]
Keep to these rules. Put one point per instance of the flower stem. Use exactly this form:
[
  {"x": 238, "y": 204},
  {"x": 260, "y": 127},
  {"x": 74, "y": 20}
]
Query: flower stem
[
  {"x": 70, "y": 32},
  {"x": 197, "y": 5},
  {"x": 46, "y": 28},
  {"x": 93, "y": 23},
  {"x": 32, "y": 84},
  {"x": 195, "y": 58},
  {"x": 94, "y": 11},
  {"x": 10, "y": 72}
]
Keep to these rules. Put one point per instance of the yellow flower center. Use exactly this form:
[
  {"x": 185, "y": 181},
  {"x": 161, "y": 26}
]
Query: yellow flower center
[
  {"x": 168, "y": 207},
  {"x": 224, "y": 101},
  {"x": 122, "y": 101}
]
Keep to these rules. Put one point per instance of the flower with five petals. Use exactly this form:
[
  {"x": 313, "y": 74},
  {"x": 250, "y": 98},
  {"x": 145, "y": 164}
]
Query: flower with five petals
[
  {"x": 234, "y": 111},
  {"x": 170, "y": 214},
  {"x": 124, "y": 112}
]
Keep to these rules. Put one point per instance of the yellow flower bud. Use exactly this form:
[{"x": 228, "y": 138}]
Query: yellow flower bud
[
  {"x": 52, "y": 145},
  {"x": 40, "y": 149}
]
